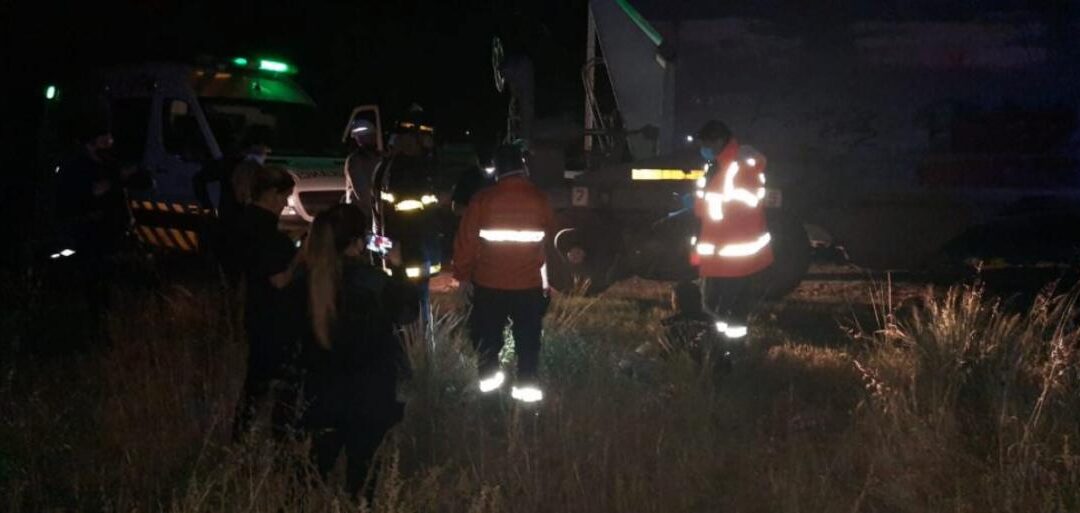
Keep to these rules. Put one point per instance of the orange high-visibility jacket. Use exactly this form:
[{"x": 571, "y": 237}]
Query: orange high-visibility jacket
[
  {"x": 500, "y": 241},
  {"x": 734, "y": 240}
]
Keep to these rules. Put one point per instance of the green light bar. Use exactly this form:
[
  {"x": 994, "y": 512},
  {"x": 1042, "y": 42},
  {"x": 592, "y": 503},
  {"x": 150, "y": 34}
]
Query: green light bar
[
  {"x": 275, "y": 66},
  {"x": 240, "y": 61},
  {"x": 51, "y": 92}
]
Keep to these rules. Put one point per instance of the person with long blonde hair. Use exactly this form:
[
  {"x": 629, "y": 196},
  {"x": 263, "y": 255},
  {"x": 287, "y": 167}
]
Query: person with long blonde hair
[{"x": 353, "y": 351}]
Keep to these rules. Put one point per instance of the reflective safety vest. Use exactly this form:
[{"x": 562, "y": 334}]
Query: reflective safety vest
[
  {"x": 734, "y": 240},
  {"x": 500, "y": 241}
]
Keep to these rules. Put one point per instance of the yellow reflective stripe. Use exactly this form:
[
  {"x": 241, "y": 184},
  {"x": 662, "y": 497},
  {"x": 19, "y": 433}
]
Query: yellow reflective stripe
[
  {"x": 147, "y": 205},
  {"x": 735, "y": 250},
  {"x": 512, "y": 235},
  {"x": 666, "y": 174},
  {"x": 408, "y": 205},
  {"x": 178, "y": 208},
  {"x": 162, "y": 206},
  {"x": 745, "y": 249}
]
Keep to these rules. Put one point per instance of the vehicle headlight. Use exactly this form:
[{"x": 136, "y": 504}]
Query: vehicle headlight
[
  {"x": 386, "y": 196},
  {"x": 428, "y": 199},
  {"x": 408, "y": 205}
]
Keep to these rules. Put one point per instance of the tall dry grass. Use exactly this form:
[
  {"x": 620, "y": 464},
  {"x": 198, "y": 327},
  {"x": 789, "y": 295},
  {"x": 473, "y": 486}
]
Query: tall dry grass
[{"x": 953, "y": 404}]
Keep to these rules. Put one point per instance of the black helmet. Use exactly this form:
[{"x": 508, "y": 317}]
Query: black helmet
[
  {"x": 415, "y": 120},
  {"x": 508, "y": 159}
]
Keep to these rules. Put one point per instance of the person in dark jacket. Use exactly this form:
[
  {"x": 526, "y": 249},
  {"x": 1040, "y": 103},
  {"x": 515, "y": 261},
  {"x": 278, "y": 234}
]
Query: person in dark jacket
[
  {"x": 273, "y": 309},
  {"x": 352, "y": 353},
  {"x": 234, "y": 175},
  {"x": 92, "y": 213}
]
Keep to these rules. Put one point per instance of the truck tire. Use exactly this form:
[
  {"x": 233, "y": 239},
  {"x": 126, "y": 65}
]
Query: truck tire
[
  {"x": 578, "y": 264},
  {"x": 791, "y": 255}
]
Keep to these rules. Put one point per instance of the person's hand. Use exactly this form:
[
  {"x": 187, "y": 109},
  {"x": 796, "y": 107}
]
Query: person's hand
[{"x": 100, "y": 187}]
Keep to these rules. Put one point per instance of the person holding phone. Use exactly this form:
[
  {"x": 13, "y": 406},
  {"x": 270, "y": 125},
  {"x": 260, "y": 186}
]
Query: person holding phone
[{"x": 353, "y": 357}]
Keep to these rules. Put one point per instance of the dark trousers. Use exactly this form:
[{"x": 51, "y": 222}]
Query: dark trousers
[
  {"x": 492, "y": 308},
  {"x": 729, "y": 299},
  {"x": 361, "y": 440},
  {"x": 278, "y": 391}
]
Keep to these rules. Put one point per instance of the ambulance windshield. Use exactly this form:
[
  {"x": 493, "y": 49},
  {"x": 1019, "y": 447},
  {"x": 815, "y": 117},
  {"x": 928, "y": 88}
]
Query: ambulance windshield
[{"x": 291, "y": 129}]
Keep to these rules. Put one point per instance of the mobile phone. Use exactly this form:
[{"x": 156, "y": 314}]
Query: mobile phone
[{"x": 379, "y": 244}]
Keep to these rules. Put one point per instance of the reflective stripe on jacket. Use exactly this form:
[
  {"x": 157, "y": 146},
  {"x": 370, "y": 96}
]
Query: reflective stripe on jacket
[
  {"x": 734, "y": 240},
  {"x": 500, "y": 242}
]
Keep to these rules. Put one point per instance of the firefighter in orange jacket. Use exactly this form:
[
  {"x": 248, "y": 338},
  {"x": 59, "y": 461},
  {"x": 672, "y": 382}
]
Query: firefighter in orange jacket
[
  {"x": 733, "y": 244},
  {"x": 499, "y": 254}
]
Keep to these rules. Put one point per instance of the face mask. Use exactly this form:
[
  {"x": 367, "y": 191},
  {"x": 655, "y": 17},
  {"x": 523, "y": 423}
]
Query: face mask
[{"x": 707, "y": 153}]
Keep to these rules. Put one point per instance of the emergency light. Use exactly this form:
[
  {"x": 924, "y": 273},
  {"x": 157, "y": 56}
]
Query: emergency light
[
  {"x": 272, "y": 65},
  {"x": 275, "y": 66}
]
